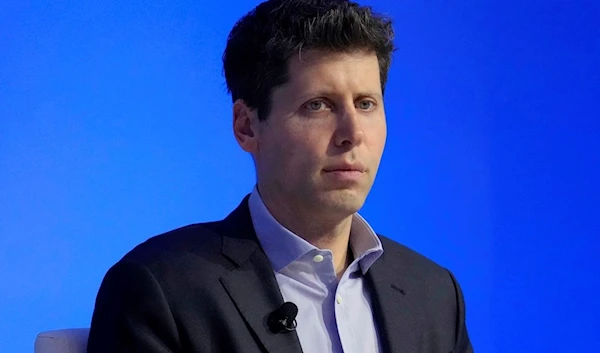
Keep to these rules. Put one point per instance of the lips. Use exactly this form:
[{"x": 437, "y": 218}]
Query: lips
[{"x": 346, "y": 167}]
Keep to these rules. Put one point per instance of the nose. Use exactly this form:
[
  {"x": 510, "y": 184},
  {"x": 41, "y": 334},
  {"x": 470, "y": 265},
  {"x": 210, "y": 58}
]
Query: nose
[{"x": 349, "y": 132}]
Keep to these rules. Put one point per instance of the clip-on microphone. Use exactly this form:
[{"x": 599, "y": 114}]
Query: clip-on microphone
[{"x": 283, "y": 319}]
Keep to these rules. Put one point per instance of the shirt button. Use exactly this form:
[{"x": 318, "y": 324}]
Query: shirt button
[
  {"x": 318, "y": 258},
  {"x": 338, "y": 299}
]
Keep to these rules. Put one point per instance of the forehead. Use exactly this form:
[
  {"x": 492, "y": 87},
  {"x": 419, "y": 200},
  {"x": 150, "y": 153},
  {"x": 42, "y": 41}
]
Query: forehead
[{"x": 311, "y": 68}]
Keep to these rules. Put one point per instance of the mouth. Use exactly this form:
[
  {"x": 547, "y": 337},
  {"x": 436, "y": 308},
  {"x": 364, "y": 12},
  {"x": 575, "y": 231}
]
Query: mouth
[
  {"x": 345, "y": 168},
  {"x": 345, "y": 173}
]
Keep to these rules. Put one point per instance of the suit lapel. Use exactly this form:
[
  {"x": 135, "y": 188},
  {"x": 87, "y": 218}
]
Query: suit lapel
[
  {"x": 254, "y": 290},
  {"x": 252, "y": 285},
  {"x": 393, "y": 314}
]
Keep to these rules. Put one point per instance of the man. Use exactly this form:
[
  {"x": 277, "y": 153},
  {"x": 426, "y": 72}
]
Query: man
[{"x": 307, "y": 79}]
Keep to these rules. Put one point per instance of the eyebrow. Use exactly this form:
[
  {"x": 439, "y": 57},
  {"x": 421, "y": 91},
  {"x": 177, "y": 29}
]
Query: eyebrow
[{"x": 325, "y": 93}]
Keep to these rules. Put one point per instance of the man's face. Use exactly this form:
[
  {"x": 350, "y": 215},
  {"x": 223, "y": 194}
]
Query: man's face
[{"x": 320, "y": 147}]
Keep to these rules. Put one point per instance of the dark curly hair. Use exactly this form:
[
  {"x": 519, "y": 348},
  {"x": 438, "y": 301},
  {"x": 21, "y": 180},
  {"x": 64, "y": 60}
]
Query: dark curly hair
[{"x": 260, "y": 44}]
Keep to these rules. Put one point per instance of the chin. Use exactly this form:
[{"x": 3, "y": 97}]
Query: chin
[{"x": 343, "y": 201}]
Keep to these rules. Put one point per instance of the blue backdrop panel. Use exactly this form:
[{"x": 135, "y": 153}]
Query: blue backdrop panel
[{"x": 115, "y": 126}]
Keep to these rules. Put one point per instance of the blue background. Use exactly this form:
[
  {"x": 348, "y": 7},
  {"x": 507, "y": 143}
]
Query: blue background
[{"x": 115, "y": 126}]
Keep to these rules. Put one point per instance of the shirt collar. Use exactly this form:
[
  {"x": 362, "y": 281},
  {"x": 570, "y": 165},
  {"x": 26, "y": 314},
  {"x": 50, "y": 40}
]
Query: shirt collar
[{"x": 283, "y": 247}]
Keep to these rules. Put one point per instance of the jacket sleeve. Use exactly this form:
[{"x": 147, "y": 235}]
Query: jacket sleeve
[
  {"x": 463, "y": 343},
  {"x": 131, "y": 313}
]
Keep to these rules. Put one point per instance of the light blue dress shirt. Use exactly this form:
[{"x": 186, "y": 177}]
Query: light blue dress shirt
[{"x": 333, "y": 316}]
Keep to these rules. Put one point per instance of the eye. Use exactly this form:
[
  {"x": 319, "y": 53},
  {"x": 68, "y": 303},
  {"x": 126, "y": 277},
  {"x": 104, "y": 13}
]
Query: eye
[
  {"x": 316, "y": 105},
  {"x": 366, "y": 105}
]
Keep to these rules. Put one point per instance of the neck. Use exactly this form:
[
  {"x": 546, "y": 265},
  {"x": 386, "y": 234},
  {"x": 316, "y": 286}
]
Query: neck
[
  {"x": 323, "y": 231},
  {"x": 337, "y": 240}
]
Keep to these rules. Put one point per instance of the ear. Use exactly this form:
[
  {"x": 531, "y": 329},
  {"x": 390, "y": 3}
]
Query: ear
[{"x": 245, "y": 126}]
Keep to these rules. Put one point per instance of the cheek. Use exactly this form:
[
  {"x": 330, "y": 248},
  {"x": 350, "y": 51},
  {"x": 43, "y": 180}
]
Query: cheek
[
  {"x": 281, "y": 153},
  {"x": 303, "y": 139},
  {"x": 377, "y": 134},
  {"x": 295, "y": 149}
]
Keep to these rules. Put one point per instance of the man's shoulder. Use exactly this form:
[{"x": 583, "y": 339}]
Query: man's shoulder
[
  {"x": 211, "y": 249},
  {"x": 198, "y": 241},
  {"x": 408, "y": 268},
  {"x": 408, "y": 260}
]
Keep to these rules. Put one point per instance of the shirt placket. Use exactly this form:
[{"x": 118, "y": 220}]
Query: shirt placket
[{"x": 342, "y": 305}]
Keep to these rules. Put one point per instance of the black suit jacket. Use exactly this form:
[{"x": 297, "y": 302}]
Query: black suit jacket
[{"x": 209, "y": 288}]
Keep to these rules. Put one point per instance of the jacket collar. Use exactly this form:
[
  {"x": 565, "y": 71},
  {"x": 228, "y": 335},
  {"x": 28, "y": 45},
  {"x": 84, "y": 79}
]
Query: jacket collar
[
  {"x": 254, "y": 290},
  {"x": 391, "y": 294},
  {"x": 252, "y": 285}
]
